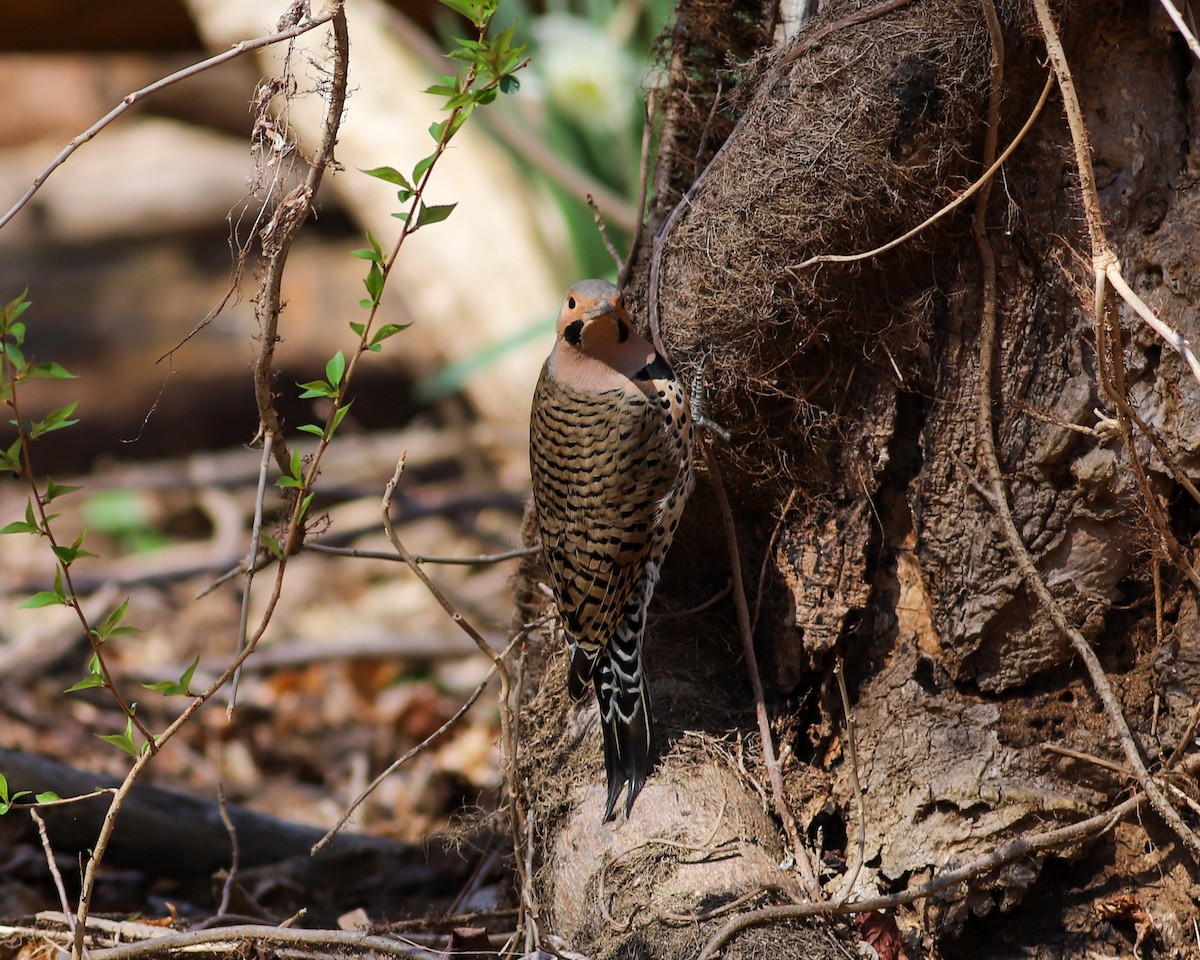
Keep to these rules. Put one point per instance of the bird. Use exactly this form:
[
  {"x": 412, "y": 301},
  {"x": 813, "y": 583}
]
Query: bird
[{"x": 610, "y": 454}]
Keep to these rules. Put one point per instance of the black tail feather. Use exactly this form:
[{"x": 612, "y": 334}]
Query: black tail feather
[{"x": 628, "y": 742}]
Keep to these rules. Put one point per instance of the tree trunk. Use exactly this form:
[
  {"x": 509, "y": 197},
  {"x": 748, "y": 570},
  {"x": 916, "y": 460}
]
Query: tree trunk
[{"x": 857, "y": 479}]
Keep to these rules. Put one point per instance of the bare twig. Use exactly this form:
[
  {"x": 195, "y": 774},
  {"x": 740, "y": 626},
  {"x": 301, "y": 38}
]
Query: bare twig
[
  {"x": 598, "y": 217},
  {"x": 277, "y": 237},
  {"x": 855, "y": 784},
  {"x": 236, "y": 50},
  {"x": 1181, "y": 25},
  {"x": 479, "y": 560},
  {"x": 53, "y": 865},
  {"x": 1105, "y": 265},
  {"x": 782, "y": 810},
  {"x": 235, "y": 850},
  {"x": 643, "y": 187},
  {"x": 250, "y": 567}
]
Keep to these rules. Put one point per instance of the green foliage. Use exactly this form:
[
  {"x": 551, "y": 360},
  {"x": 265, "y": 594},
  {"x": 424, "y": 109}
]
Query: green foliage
[
  {"x": 93, "y": 678},
  {"x": 124, "y": 740},
  {"x": 7, "y": 801},
  {"x": 176, "y": 688}
]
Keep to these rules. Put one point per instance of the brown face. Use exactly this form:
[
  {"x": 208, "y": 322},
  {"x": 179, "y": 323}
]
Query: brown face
[{"x": 593, "y": 317}]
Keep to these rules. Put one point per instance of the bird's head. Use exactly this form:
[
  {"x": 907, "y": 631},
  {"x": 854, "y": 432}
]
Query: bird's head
[
  {"x": 594, "y": 320},
  {"x": 597, "y": 347}
]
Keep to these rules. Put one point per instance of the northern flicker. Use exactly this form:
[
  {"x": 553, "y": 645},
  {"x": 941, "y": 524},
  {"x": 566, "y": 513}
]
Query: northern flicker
[{"x": 610, "y": 451}]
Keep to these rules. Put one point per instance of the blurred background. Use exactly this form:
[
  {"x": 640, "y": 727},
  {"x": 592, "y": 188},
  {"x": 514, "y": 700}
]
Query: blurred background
[{"x": 126, "y": 251}]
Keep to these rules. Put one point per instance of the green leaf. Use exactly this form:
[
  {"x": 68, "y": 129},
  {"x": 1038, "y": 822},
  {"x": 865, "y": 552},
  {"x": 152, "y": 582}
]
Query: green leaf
[
  {"x": 29, "y": 525},
  {"x": 176, "y": 688},
  {"x": 366, "y": 255},
  {"x": 316, "y": 388},
  {"x": 423, "y": 165},
  {"x": 15, "y": 356},
  {"x": 272, "y": 544},
  {"x": 340, "y": 416},
  {"x": 385, "y": 332},
  {"x": 15, "y": 307},
  {"x": 123, "y": 740},
  {"x": 473, "y": 10},
  {"x": 10, "y": 459},
  {"x": 335, "y": 368},
  {"x": 435, "y": 214},
  {"x": 43, "y": 598},
  {"x": 68, "y": 555},
  {"x": 305, "y": 505},
  {"x": 108, "y": 626},
  {"x": 86, "y": 684},
  {"x": 358, "y": 328},
  {"x": 54, "y": 420},
  {"x": 390, "y": 174},
  {"x": 374, "y": 282},
  {"x": 312, "y": 428},
  {"x": 509, "y": 84},
  {"x": 56, "y": 490},
  {"x": 49, "y": 371},
  {"x": 47, "y": 796}
]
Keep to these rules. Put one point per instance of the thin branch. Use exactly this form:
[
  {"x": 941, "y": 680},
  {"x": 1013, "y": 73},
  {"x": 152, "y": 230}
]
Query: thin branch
[
  {"x": 1172, "y": 337},
  {"x": 53, "y": 865},
  {"x": 855, "y": 784},
  {"x": 478, "y": 560},
  {"x": 598, "y": 218},
  {"x": 245, "y": 46},
  {"x": 1180, "y": 25},
  {"x": 518, "y": 136},
  {"x": 249, "y": 565},
  {"x": 277, "y": 238},
  {"x": 643, "y": 188},
  {"x": 234, "y": 848},
  {"x": 782, "y": 810}
]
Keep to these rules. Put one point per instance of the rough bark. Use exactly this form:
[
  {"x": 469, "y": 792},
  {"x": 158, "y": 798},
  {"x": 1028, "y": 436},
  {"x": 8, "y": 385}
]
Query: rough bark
[{"x": 851, "y": 391}]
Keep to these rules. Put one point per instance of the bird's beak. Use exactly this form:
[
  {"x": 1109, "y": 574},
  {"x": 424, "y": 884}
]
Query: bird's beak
[{"x": 601, "y": 309}]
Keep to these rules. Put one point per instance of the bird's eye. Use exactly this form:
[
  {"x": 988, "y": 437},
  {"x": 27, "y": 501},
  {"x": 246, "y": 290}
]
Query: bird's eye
[{"x": 570, "y": 303}]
